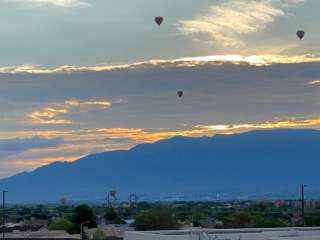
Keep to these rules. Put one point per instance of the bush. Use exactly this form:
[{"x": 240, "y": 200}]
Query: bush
[
  {"x": 99, "y": 235},
  {"x": 112, "y": 217},
  {"x": 60, "y": 224},
  {"x": 161, "y": 218}
]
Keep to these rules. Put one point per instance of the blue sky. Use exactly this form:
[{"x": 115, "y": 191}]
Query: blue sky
[
  {"x": 54, "y": 33},
  {"x": 79, "y": 77}
]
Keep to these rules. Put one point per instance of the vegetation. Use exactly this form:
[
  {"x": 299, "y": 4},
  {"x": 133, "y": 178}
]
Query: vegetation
[
  {"x": 99, "y": 235},
  {"x": 161, "y": 218},
  {"x": 112, "y": 217},
  {"x": 60, "y": 224},
  {"x": 83, "y": 215}
]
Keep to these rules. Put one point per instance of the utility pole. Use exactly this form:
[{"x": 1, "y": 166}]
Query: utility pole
[
  {"x": 3, "y": 213},
  {"x": 108, "y": 200},
  {"x": 191, "y": 228},
  {"x": 81, "y": 229},
  {"x": 302, "y": 205}
]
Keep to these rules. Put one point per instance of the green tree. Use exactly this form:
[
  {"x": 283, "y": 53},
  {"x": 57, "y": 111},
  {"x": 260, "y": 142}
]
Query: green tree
[
  {"x": 160, "y": 218},
  {"x": 82, "y": 213},
  {"x": 40, "y": 212},
  {"x": 60, "y": 224},
  {"x": 313, "y": 221},
  {"x": 239, "y": 220},
  {"x": 260, "y": 221},
  {"x": 111, "y": 216}
]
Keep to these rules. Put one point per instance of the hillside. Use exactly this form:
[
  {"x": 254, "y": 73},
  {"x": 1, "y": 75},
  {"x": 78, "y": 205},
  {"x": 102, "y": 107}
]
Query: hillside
[{"x": 256, "y": 162}]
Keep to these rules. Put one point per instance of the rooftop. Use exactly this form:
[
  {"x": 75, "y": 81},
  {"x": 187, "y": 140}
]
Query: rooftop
[{"x": 229, "y": 234}]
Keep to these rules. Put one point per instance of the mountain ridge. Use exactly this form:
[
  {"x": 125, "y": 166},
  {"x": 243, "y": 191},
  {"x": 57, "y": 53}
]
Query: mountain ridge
[{"x": 243, "y": 163}]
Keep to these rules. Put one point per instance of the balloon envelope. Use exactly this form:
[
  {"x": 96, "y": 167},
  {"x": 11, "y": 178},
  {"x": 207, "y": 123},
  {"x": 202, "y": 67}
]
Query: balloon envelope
[
  {"x": 180, "y": 93},
  {"x": 159, "y": 20},
  {"x": 300, "y": 34}
]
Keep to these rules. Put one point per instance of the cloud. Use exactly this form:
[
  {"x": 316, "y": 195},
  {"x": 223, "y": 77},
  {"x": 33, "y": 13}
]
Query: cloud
[
  {"x": 22, "y": 144},
  {"x": 314, "y": 82},
  {"x": 140, "y": 135},
  {"x": 49, "y": 115},
  {"x": 285, "y": 3},
  {"x": 254, "y": 60},
  {"x": 284, "y": 123},
  {"x": 35, "y": 163},
  {"x": 57, "y": 3},
  {"x": 95, "y": 104},
  {"x": 54, "y": 113},
  {"x": 227, "y": 23}
]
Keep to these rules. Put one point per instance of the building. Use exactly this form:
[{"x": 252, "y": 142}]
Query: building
[
  {"x": 41, "y": 234},
  {"x": 228, "y": 234},
  {"x": 111, "y": 231},
  {"x": 297, "y": 203}
]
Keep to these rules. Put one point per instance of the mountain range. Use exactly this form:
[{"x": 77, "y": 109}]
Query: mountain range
[{"x": 245, "y": 164}]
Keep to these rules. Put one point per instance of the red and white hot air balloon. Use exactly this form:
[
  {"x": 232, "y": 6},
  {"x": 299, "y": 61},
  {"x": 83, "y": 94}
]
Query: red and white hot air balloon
[{"x": 158, "y": 20}]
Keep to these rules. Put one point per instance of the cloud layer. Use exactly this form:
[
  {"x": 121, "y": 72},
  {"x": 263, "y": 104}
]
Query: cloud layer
[
  {"x": 69, "y": 145},
  {"x": 254, "y": 60},
  {"x": 54, "y": 113},
  {"x": 17, "y": 145}
]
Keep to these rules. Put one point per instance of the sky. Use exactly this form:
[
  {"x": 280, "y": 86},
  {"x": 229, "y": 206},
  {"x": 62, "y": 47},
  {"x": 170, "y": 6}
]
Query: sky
[{"x": 85, "y": 76}]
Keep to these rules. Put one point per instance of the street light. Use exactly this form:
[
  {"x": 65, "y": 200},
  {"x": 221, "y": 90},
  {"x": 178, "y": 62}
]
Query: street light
[
  {"x": 81, "y": 228},
  {"x": 303, "y": 204},
  {"x": 3, "y": 213}
]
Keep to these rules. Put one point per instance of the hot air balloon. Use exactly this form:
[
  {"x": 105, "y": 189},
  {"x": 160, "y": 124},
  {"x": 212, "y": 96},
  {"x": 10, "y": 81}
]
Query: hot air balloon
[
  {"x": 180, "y": 94},
  {"x": 300, "y": 34},
  {"x": 158, "y": 20}
]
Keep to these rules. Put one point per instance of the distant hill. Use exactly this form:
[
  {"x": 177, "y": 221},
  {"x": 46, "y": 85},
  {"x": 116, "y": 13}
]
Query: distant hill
[{"x": 256, "y": 162}]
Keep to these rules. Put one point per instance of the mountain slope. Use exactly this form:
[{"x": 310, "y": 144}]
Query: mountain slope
[{"x": 253, "y": 162}]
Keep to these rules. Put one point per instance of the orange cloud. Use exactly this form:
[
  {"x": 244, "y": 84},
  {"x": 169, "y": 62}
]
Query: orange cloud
[
  {"x": 34, "y": 163},
  {"x": 53, "y": 113},
  {"x": 49, "y": 115},
  {"x": 138, "y": 135},
  {"x": 291, "y": 123}
]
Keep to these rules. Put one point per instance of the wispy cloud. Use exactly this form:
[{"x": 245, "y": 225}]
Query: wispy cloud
[
  {"x": 140, "y": 135},
  {"x": 104, "y": 104},
  {"x": 314, "y": 82},
  {"x": 22, "y": 144},
  {"x": 55, "y": 113},
  {"x": 286, "y": 123},
  {"x": 255, "y": 60},
  {"x": 49, "y": 115},
  {"x": 57, "y": 3},
  {"x": 228, "y": 22}
]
